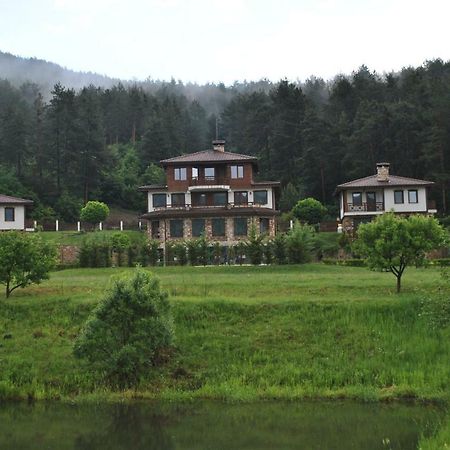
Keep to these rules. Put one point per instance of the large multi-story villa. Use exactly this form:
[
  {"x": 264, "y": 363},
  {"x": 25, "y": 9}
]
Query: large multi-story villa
[
  {"x": 362, "y": 199},
  {"x": 211, "y": 193}
]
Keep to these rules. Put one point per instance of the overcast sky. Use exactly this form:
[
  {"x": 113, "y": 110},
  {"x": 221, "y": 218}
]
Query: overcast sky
[{"x": 226, "y": 40}]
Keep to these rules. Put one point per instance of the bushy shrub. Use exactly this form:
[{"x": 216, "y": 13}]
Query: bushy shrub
[
  {"x": 95, "y": 252},
  {"x": 94, "y": 212},
  {"x": 300, "y": 243},
  {"x": 24, "y": 259},
  {"x": 128, "y": 330},
  {"x": 309, "y": 210}
]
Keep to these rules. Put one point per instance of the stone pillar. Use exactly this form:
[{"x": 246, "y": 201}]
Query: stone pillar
[
  {"x": 229, "y": 228},
  {"x": 187, "y": 228},
  {"x": 208, "y": 229}
]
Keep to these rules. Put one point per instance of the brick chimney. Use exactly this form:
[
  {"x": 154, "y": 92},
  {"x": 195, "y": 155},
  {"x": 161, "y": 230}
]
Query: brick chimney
[
  {"x": 383, "y": 171},
  {"x": 219, "y": 145}
]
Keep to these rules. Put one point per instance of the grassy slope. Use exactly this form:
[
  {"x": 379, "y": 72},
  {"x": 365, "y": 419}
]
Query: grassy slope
[
  {"x": 243, "y": 333},
  {"x": 75, "y": 238}
]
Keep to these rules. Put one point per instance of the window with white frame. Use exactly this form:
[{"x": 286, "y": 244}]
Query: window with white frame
[
  {"x": 180, "y": 174},
  {"x": 237, "y": 172},
  {"x": 412, "y": 196}
]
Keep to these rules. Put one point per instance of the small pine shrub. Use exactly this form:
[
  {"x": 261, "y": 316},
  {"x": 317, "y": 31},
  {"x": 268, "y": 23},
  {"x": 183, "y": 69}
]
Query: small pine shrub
[
  {"x": 180, "y": 253},
  {"x": 279, "y": 248},
  {"x": 254, "y": 246},
  {"x": 152, "y": 248},
  {"x": 300, "y": 243},
  {"x": 193, "y": 251},
  {"x": 126, "y": 333}
]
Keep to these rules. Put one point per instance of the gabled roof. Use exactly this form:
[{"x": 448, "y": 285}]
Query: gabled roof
[
  {"x": 207, "y": 156},
  {"x": 372, "y": 181},
  {"x": 8, "y": 200}
]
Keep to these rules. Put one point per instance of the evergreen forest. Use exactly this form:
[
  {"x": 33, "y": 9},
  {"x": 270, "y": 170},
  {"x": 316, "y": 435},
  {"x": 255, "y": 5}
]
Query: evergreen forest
[{"x": 68, "y": 145}]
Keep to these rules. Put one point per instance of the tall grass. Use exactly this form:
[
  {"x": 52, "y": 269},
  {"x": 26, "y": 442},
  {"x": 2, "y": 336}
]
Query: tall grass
[{"x": 242, "y": 333}]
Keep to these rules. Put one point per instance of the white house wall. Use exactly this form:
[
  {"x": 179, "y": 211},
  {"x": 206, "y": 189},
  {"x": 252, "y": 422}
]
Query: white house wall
[
  {"x": 420, "y": 206},
  {"x": 19, "y": 216}
]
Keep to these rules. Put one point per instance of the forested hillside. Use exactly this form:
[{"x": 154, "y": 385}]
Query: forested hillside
[{"x": 102, "y": 142}]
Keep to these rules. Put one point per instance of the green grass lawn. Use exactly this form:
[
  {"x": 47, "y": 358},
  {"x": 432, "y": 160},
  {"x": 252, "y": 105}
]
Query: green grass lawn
[{"x": 242, "y": 333}]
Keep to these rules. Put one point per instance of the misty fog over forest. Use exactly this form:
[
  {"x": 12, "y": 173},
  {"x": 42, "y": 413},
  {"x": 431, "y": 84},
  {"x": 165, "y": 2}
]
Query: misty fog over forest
[{"x": 67, "y": 136}]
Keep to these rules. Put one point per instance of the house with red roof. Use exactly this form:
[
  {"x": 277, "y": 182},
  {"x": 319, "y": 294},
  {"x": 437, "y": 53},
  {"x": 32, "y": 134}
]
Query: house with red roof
[
  {"x": 362, "y": 199},
  {"x": 211, "y": 193},
  {"x": 12, "y": 212}
]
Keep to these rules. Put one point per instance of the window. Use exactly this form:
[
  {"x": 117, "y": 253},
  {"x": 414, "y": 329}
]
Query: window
[
  {"x": 260, "y": 197},
  {"x": 180, "y": 173},
  {"x": 357, "y": 198},
  {"x": 176, "y": 228},
  {"x": 177, "y": 199},
  {"x": 195, "y": 173},
  {"x": 209, "y": 173},
  {"x": 159, "y": 200},
  {"x": 237, "y": 171},
  {"x": 198, "y": 199},
  {"x": 220, "y": 198},
  {"x": 412, "y": 196},
  {"x": 240, "y": 226},
  {"x": 398, "y": 197},
  {"x": 241, "y": 198},
  {"x": 263, "y": 225},
  {"x": 9, "y": 214},
  {"x": 218, "y": 227},
  {"x": 198, "y": 227}
]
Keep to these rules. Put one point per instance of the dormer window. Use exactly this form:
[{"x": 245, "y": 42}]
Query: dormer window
[
  {"x": 237, "y": 172},
  {"x": 180, "y": 174}
]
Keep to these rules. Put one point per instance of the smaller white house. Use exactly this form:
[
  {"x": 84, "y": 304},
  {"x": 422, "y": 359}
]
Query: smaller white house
[
  {"x": 12, "y": 212},
  {"x": 362, "y": 199}
]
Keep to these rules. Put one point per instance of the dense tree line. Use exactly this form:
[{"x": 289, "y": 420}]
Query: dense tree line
[{"x": 101, "y": 143}]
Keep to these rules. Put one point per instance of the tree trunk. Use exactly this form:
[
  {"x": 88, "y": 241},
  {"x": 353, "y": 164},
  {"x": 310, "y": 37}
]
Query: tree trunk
[
  {"x": 399, "y": 283},
  {"x": 8, "y": 292}
]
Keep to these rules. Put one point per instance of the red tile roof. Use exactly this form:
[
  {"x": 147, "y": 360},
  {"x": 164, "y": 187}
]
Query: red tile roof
[
  {"x": 8, "y": 200},
  {"x": 207, "y": 156}
]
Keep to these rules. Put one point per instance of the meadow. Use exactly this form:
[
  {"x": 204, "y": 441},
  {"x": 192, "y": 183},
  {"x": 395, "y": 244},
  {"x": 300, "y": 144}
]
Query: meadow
[{"x": 242, "y": 333}]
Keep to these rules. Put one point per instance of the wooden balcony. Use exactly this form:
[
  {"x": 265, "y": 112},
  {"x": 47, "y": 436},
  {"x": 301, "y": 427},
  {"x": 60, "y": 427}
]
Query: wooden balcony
[
  {"x": 365, "y": 207},
  {"x": 189, "y": 206},
  {"x": 210, "y": 181}
]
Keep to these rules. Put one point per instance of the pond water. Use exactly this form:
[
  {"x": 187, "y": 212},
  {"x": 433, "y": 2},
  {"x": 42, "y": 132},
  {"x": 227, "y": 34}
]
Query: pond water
[{"x": 215, "y": 425}]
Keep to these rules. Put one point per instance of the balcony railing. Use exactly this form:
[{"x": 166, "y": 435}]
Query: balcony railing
[
  {"x": 363, "y": 207},
  {"x": 188, "y": 206},
  {"x": 209, "y": 181}
]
